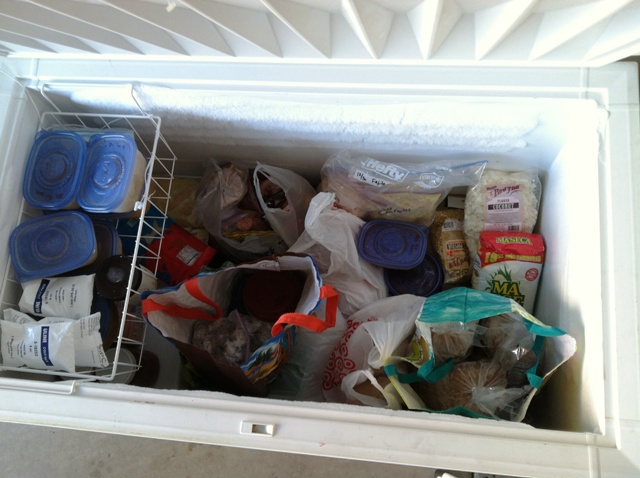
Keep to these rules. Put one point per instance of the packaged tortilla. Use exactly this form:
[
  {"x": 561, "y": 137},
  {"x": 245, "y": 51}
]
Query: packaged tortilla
[
  {"x": 509, "y": 264},
  {"x": 448, "y": 240}
]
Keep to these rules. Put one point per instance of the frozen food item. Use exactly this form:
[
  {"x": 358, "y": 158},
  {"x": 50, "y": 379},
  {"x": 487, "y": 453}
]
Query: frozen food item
[
  {"x": 463, "y": 387},
  {"x": 506, "y": 339},
  {"x": 501, "y": 201},
  {"x": 509, "y": 264},
  {"x": 399, "y": 190},
  {"x": 452, "y": 340},
  {"x": 224, "y": 192},
  {"x": 108, "y": 244},
  {"x": 182, "y": 255},
  {"x": 88, "y": 350},
  {"x": 424, "y": 280},
  {"x": 58, "y": 296},
  {"x": 112, "y": 279},
  {"x": 269, "y": 294},
  {"x": 392, "y": 244},
  {"x": 446, "y": 235},
  {"x": 54, "y": 170},
  {"x": 231, "y": 339},
  {"x": 284, "y": 198},
  {"x": 51, "y": 245},
  {"x": 114, "y": 174},
  {"x": 512, "y": 356},
  {"x": 181, "y": 208},
  {"x": 38, "y": 346}
]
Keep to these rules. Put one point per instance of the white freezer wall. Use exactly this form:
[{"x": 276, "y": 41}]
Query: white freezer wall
[{"x": 580, "y": 127}]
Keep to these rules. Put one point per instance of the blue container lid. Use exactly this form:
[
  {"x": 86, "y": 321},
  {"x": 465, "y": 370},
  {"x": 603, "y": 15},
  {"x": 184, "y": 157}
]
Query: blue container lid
[
  {"x": 108, "y": 244},
  {"x": 423, "y": 280},
  {"x": 392, "y": 244},
  {"x": 54, "y": 170},
  {"x": 110, "y": 164},
  {"x": 51, "y": 245}
]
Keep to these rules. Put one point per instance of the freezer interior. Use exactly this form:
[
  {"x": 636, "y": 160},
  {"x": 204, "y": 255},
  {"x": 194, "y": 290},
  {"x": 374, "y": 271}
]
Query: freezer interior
[{"x": 565, "y": 138}]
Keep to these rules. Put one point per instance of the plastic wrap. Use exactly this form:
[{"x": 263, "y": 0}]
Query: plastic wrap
[{"x": 402, "y": 190}]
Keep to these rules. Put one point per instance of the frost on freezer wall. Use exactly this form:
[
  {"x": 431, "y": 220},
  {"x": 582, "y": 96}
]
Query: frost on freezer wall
[{"x": 301, "y": 130}]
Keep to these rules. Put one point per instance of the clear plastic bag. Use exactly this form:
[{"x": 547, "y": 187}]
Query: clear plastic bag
[
  {"x": 501, "y": 201},
  {"x": 402, "y": 190},
  {"x": 284, "y": 197},
  {"x": 222, "y": 189}
]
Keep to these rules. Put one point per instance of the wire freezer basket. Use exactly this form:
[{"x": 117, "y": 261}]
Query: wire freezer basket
[{"x": 148, "y": 223}]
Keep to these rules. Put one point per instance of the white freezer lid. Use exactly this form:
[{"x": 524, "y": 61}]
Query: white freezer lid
[{"x": 451, "y": 32}]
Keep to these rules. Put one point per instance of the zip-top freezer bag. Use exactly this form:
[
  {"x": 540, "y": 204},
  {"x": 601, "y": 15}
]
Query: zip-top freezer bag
[
  {"x": 402, "y": 190},
  {"x": 512, "y": 355},
  {"x": 217, "y": 320},
  {"x": 509, "y": 264}
]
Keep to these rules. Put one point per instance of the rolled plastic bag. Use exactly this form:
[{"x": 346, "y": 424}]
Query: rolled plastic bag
[{"x": 330, "y": 237}]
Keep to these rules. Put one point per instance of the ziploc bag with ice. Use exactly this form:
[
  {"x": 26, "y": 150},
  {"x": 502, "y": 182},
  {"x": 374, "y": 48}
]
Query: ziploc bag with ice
[
  {"x": 478, "y": 354},
  {"x": 402, "y": 190}
]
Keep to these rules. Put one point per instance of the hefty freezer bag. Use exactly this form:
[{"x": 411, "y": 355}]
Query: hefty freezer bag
[{"x": 401, "y": 190}]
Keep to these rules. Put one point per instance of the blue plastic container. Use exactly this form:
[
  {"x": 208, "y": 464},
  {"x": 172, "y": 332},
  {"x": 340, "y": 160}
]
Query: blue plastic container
[
  {"x": 392, "y": 244},
  {"x": 54, "y": 170},
  {"x": 423, "y": 280},
  {"x": 51, "y": 245},
  {"x": 114, "y": 174}
]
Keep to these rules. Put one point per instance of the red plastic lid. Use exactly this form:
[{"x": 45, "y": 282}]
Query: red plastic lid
[
  {"x": 392, "y": 244},
  {"x": 269, "y": 294}
]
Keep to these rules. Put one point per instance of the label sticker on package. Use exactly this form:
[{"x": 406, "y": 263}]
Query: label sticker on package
[
  {"x": 188, "y": 255},
  {"x": 503, "y": 208}
]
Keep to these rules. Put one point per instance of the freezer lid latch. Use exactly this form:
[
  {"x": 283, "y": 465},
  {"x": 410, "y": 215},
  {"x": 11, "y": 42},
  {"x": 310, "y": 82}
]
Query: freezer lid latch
[{"x": 260, "y": 429}]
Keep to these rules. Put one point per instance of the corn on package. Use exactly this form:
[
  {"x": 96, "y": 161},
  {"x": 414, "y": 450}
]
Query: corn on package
[{"x": 509, "y": 264}]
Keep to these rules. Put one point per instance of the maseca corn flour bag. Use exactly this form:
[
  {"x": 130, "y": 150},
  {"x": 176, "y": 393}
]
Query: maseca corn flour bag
[{"x": 509, "y": 264}]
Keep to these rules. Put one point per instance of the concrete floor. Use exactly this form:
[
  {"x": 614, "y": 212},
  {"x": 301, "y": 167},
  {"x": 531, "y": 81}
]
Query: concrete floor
[{"x": 29, "y": 451}]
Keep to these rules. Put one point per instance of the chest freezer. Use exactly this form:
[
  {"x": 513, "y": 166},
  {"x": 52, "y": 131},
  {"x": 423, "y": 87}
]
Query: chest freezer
[{"x": 529, "y": 84}]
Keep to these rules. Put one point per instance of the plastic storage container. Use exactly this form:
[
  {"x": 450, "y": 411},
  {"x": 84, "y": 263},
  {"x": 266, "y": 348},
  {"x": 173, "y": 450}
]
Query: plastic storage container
[
  {"x": 114, "y": 175},
  {"x": 112, "y": 279},
  {"x": 51, "y": 245},
  {"x": 392, "y": 244},
  {"x": 54, "y": 170},
  {"x": 424, "y": 280}
]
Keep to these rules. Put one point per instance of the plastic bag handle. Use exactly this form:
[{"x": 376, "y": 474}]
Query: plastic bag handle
[
  {"x": 192, "y": 287},
  {"x": 311, "y": 322}
]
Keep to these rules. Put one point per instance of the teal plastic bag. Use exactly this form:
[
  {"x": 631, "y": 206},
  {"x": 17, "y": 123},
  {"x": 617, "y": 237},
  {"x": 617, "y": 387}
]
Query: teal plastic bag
[{"x": 478, "y": 354}]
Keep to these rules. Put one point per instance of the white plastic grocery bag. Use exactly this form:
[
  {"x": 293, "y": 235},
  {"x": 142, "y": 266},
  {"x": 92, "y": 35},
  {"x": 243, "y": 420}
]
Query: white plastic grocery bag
[
  {"x": 288, "y": 220},
  {"x": 372, "y": 335},
  {"x": 330, "y": 237}
]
